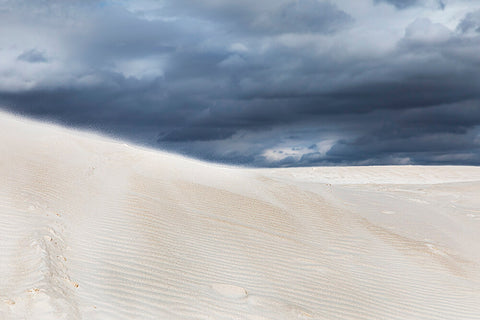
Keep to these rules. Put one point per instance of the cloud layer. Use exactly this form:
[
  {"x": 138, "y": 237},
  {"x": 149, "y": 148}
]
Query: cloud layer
[{"x": 270, "y": 83}]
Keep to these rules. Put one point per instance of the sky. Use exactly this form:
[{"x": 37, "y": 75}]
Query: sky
[{"x": 268, "y": 83}]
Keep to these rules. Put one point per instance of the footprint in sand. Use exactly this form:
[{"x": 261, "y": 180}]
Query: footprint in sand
[{"x": 230, "y": 291}]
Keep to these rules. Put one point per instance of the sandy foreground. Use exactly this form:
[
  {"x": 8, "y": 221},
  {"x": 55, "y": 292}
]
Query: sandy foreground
[{"x": 91, "y": 228}]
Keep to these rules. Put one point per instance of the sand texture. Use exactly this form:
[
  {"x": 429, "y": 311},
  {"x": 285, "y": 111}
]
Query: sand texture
[{"x": 91, "y": 228}]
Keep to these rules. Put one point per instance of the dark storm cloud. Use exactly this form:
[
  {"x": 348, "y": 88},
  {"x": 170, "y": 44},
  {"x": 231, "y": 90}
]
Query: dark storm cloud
[
  {"x": 198, "y": 134},
  {"x": 270, "y": 83},
  {"x": 416, "y": 149}
]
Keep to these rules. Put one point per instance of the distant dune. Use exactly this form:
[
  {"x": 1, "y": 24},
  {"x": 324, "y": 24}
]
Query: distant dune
[{"x": 91, "y": 228}]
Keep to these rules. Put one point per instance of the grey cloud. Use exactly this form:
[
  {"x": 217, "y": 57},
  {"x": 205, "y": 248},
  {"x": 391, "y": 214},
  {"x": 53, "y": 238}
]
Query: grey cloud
[
  {"x": 33, "y": 56},
  {"x": 400, "y": 4},
  {"x": 268, "y": 17},
  {"x": 307, "y": 16},
  {"x": 403, "y": 4},
  {"x": 471, "y": 22}
]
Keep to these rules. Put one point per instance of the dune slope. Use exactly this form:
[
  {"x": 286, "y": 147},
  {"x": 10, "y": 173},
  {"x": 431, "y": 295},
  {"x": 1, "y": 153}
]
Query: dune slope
[{"x": 91, "y": 228}]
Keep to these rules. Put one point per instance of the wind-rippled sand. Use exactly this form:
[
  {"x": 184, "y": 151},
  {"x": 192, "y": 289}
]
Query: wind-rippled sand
[{"x": 91, "y": 228}]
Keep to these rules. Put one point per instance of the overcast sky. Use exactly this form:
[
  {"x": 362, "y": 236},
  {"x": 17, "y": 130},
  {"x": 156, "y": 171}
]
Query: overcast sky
[{"x": 254, "y": 82}]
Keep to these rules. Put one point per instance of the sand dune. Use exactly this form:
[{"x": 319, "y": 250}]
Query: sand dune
[{"x": 91, "y": 228}]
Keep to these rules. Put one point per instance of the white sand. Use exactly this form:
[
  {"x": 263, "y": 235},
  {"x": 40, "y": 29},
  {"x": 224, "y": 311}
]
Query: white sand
[{"x": 94, "y": 229}]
